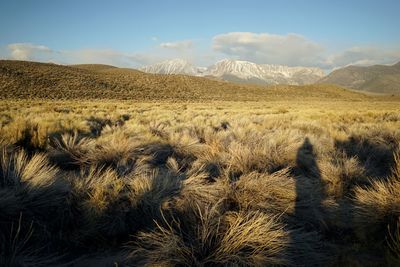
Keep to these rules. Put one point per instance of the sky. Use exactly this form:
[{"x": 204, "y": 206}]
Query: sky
[{"x": 311, "y": 33}]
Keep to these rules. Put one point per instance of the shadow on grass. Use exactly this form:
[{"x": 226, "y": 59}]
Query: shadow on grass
[{"x": 375, "y": 155}]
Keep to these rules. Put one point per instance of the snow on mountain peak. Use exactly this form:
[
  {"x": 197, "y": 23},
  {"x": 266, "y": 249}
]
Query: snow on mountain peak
[
  {"x": 172, "y": 66},
  {"x": 241, "y": 71}
]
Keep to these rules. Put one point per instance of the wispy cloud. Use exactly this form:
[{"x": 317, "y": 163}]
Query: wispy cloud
[
  {"x": 178, "y": 45},
  {"x": 28, "y": 51},
  {"x": 363, "y": 56},
  {"x": 108, "y": 56}
]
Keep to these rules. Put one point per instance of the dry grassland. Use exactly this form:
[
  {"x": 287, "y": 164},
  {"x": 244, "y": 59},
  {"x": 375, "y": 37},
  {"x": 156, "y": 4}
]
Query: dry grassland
[{"x": 278, "y": 183}]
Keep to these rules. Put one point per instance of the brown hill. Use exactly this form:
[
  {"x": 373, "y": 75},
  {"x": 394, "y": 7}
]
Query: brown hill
[
  {"x": 377, "y": 78},
  {"x": 32, "y": 80}
]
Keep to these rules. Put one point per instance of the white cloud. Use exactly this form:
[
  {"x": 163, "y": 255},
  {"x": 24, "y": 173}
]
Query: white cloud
[
  {"x": 264, "y": 48},
  {"x": 291, "y": 49},
  {"x": 107, "y": 56},
  {"x": 297, "y": 50},
  {"x": 179, "y": 45},
  {"x": 27, "y": 51},
  {"x": 363, "y": 56}
]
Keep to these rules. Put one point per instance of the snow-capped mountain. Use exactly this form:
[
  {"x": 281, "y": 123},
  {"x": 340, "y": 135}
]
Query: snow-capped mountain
[
  {"x": 241, "y": 71},
  {"x": 245, "y": 71},
  {"x": 174, "y": 66}
]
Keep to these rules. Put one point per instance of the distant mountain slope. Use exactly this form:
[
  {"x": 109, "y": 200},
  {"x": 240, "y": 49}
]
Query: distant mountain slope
[
  {"x": 241, "y": 71},
  {"x": 377, "y": 78},
  {"x": 32, "y": 80}
]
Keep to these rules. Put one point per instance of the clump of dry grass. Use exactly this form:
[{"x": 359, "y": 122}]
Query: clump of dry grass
[
  {"x": 31, "y": 208},
  {"x": 341, "y": 175},
  {"x": 244, "y": 239},
  {"x": 252, "y": 239},
  {"x": 69, "y": 151},
  {"x": 111, "y": 207},
  {"x": 378, "y": 201},
  {"x": 198, "y": 190},
  {"x": 378, "y": 205},
  {"x": 150, "y": 193},
  {"x": 373, "y": 148},
  {"x": 115, "y": 151},
  {"x": 271, "y": 193},
  {"x": 24, "y": 134},
  {"x": 264, "y": 154},
  {"x": 29, "y": 183}
]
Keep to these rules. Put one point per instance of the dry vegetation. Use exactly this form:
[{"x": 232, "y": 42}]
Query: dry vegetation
[
  {"x": 313, "y": 183},
  {"x": 31, "y": 80}
]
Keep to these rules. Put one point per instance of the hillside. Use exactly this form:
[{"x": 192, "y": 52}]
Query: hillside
[
  {"x": 32, "y": 80},
  {"x": 93, "y": 67},
  {"x": 377, "y": 78}
]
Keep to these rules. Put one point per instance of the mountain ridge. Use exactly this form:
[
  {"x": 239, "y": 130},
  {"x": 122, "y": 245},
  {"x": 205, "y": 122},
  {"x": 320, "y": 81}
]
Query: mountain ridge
[
  {"x": 240, "y": 71},
  {"x": 173, "y": 66},
  {"x": 375, "y": 78}
]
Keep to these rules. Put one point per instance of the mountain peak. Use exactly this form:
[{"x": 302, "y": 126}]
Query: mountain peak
[
  {"x": 237, "y": 61},
  {"x": 172, "y": 66},
  {"x": 241, "y": 71},
  {"x": 177, "y": 61},
  {"x": 246, "y": 71}
]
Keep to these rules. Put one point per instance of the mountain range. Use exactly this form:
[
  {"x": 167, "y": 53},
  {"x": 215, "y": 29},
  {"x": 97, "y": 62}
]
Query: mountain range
[
  {"x": 241, "y": 71},
  {"x": 377, "y": 78}
]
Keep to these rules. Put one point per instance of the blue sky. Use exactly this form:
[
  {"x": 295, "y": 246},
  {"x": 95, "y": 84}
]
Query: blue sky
[{"x": 326, "y": 34}]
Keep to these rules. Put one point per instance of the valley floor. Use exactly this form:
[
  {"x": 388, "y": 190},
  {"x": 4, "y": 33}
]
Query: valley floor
[{"x": 273, "y": 183}]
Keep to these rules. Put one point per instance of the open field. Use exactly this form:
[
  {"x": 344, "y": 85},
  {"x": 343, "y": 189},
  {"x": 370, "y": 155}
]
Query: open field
[{"x": 268, "y": 183}]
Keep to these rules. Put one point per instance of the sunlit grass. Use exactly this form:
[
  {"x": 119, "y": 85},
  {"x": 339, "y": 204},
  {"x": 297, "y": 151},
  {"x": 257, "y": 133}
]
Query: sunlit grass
[{"x": 292, "y": 183}]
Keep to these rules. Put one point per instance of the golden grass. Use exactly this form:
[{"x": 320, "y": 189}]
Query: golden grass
[{"x": 219, "y": 183}]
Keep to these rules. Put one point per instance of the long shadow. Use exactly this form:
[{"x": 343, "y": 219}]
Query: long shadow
[
  {"x": 307, "y": 225},
  {"x": 310, "y": 190},
  {"x": 331, "y": 225}
]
